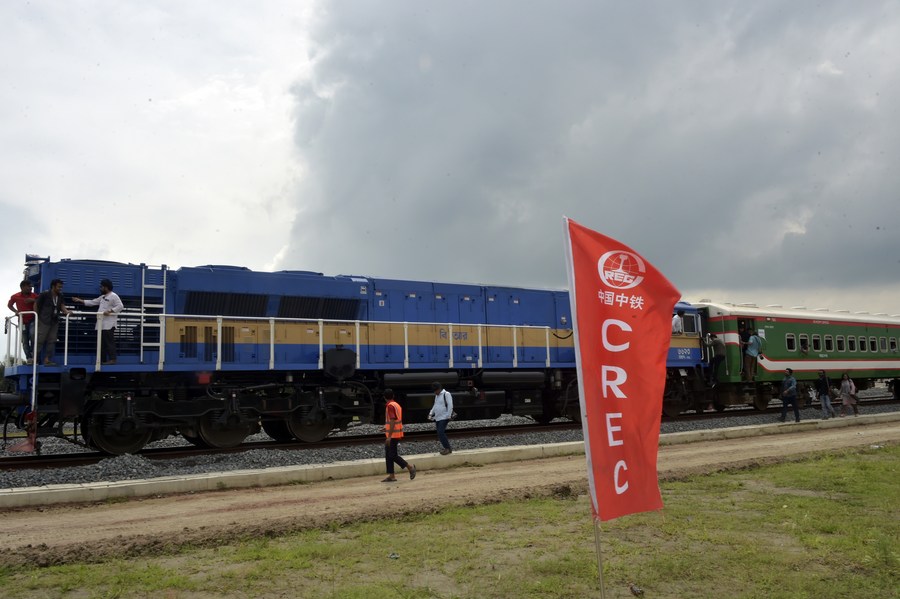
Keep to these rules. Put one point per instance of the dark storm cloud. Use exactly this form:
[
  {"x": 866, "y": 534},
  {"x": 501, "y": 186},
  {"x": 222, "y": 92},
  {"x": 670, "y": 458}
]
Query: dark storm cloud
[{"x": 751, "y": 146}]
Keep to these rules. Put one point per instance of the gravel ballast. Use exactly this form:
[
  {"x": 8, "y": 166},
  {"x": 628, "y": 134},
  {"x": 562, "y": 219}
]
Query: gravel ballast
[{"x": 129, "y": 467}]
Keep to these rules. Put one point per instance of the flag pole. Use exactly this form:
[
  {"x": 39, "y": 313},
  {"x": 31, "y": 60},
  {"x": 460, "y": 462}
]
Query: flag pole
[{"x": 599, "y": 556}]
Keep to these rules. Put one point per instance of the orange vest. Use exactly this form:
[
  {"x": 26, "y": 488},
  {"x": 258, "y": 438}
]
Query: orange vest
[{"x": 393, "y": 409}]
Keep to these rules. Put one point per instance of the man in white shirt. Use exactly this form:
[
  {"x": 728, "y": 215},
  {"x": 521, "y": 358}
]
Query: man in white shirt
[
  {"x": 441, "y": 414},
  {"x": 109, "y": 306},
  {"x": 678, "y": 322}
]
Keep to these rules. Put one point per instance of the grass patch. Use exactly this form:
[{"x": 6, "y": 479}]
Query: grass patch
[{"x": 820, "y": 528}]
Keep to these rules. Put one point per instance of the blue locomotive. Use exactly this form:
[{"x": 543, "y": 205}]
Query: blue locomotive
[{"x": 214, "y": 353}]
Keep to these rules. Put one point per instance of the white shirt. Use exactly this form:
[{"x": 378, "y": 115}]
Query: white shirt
[
  {"x": 107, "y": 302},
  {"x": 677, "y": 324},
  {"x": 442, "y": 410}
]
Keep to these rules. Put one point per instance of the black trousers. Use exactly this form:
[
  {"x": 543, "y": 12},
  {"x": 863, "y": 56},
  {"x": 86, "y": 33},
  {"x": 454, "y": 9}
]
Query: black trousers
[
  {"x": 714, "y": 367},
  {"x": 108, "y": 344},
  {"x": 391, "y": 456}
]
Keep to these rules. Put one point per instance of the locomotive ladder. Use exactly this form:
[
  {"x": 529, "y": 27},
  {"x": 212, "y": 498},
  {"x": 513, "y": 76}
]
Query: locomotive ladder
[{"x": 153, "y": 279}]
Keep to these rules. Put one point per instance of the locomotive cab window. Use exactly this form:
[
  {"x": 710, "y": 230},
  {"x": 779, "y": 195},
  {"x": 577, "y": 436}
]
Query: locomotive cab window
[
  {"x": 839, "y": 341},
  {"x": 851, "y": 344},
  {"x": 690, "y": 323},
  {"x": 804, "y": 342},
  {"x": 790, "y": 342},
  {"x": 817, "y": 343},
  {"x": 829, "y": 343},
  {"x": 882, "y": 344},
  {"x": 873, "y": 344}
]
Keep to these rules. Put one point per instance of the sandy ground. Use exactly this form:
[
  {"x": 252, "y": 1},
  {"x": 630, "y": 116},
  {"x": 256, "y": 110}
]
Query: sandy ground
[{"x": 59, "y": 534}]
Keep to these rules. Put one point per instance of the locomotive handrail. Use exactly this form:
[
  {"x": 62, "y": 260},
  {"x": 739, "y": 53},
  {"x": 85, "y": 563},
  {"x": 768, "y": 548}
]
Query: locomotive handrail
[
  {"x": 34, "y": 354},
  {"x": 321, "y": 323}
]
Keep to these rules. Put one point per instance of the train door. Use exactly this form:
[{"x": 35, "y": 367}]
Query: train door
[
  {"x": 565, "y": 344},
  {"x": 443, "y": 316},
  {"x": 421, "y": 338},
  {"x": 746, "y": 328},
  {"x": 385, "y": 337},
  {"x": 502, "y": 309},
  {"x": 471, "y": 311}
]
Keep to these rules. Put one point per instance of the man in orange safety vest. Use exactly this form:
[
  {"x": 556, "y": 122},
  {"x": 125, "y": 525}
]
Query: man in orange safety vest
[{"x": 393, "y": 432}]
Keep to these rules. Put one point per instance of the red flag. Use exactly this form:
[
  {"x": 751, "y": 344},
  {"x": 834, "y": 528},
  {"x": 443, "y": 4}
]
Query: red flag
[{"x": 622, "y": 318}]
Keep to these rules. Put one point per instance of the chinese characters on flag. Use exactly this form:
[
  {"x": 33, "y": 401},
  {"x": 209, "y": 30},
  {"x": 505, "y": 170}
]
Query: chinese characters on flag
[{"x": 622, "y": 317}]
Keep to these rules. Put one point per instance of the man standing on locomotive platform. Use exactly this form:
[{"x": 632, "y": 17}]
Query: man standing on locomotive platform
[
  {"x": 393, "y": 432},
  {"x": 789, "y": 395},
  {"x": 49, "y": 305},
  {"x": 24, "y": 302},
  {"x": 109, "y": 306},
  {"x": 441, "y": 413}
]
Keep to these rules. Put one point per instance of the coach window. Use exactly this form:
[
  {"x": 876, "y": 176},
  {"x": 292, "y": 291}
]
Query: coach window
[
  {"x": 862, "y": 344},
  {"x": 851, "y": 343},
  {"x": 790, "y": 342},
  {"x": 873, "y": 344},
  {"x": 893, "y": 344},
  {"x": 829, "y": 343},
  {"x": 882, "y": 342},
  {"x": 839, "y": 341},
  {"x": 804, "y": 342},
  {"x": 817, "y": 343}
]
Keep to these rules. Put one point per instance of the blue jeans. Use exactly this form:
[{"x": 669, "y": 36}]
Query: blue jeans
[
  {"x": 827, "y": 409},
  {"x": 442, "y": 433},
  {"x": 28, "y": 339},
  {"x": 789, "y": 401}
]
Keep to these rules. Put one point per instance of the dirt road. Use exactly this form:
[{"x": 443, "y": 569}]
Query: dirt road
[{"x": 52, "y": 535}]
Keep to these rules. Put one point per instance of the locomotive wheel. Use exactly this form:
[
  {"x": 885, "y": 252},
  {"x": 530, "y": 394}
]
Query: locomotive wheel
[
  {"x": 278, "y": 430},
  {"x": 216, "y": 433},
  {"x": 672, "y": 410},
  {"x": 761, "y": 401},
  {"x": 307, "y": 430},
  {"x": 194, "y": 440},
  {"x": 111, "y": 441}
]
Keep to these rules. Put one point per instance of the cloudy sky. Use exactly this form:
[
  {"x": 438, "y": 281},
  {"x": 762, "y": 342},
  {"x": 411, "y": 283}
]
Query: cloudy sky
[{"x": 749, "y": 150}]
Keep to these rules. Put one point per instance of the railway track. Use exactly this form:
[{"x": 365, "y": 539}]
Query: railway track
[
  {"x": 68, "y": 460},
  {"x": 86, "y": 458}
]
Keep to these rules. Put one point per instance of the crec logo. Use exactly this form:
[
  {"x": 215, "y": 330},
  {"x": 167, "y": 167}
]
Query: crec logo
[{"x": 621, "y": 270}]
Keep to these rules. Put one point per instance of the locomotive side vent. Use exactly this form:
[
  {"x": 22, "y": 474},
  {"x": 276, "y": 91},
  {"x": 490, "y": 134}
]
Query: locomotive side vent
[
  {"x": 188, "y": 347},
  {"x": 318, "y": 307},
  {"x": 226, "y": 304},
  {"x": 209, "y": 343}
]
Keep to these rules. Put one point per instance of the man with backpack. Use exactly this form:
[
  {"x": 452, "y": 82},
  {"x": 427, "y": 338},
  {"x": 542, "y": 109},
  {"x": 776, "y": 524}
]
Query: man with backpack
[{"x": 441, "y": 413}]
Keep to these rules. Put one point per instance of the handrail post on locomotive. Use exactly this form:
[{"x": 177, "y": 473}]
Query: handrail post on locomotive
[
  {"x": 358, "y": 363},
  {"x": 321, "y": 344},
  {"x": 162, "y": 342},
  {"x": 66, "y": 342},
  {"x": 547, "y": 344},
  {"x": 99, "y": 335},
  {"x": 218, "y": 343},
  {"x": 515, "y": 348},
  {"x": 34, "y": 366},
  {"x": 450, "y": 337},
  {"x": 406, "y": 345},
  {"x": 271, "y": 343},
  {"x": 480, "y": 362}
]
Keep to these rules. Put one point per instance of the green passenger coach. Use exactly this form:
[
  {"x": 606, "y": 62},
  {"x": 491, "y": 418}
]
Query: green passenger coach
[{"x": 863, "y": 345}]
